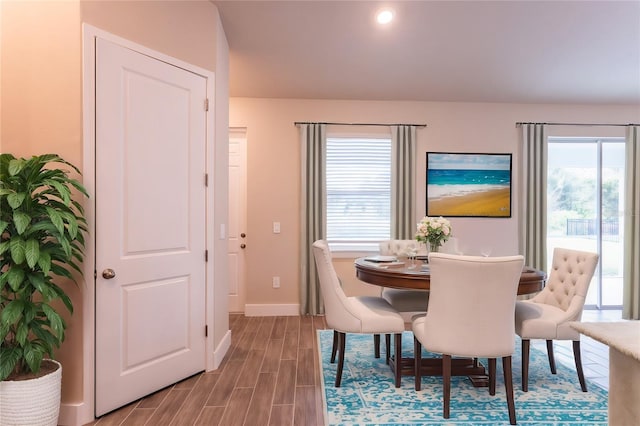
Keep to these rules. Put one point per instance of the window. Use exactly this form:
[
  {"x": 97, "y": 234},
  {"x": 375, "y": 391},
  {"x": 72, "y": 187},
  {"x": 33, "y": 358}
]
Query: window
[
  {"x": 358, "y": 185},
  {"x": 585, "y": 201}
]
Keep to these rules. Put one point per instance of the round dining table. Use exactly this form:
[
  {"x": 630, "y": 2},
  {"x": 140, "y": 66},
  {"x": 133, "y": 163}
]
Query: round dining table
[{"x": 415, "y": 275}]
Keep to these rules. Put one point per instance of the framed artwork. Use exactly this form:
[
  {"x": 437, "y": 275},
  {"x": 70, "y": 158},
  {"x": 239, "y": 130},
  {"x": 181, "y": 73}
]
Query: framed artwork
[{"x": 468, "y": 184}]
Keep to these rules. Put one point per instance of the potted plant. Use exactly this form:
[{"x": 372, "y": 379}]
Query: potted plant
[{"x": 41, "y": 241}]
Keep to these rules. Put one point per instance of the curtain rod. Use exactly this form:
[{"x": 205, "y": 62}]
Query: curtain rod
[
  {"x": 358, "y": 124},
  {"x": 579, "y": 124}
]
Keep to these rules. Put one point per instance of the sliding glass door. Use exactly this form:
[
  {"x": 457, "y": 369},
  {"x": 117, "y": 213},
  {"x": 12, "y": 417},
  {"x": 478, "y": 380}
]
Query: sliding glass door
[{"x": 585, "y": 199}]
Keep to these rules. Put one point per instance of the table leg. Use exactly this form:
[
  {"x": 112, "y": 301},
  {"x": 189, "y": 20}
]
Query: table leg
[{"x": 469, "y": 367}]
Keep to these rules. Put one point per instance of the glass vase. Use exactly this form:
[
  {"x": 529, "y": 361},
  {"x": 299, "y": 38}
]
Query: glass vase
[{"x": 434, "y": 247}]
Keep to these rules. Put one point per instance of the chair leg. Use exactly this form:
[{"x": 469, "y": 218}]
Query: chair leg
[
  {"x": 341, "y": 345},
  {"x": 417, "y": 365},
  {"x": 376, "y": 345},
  {"x": 508, "y": 385},
  {"x": 525, "y": 364},
  {"x": 387, "y": 343},
  {"x": 446, "y": 385},
  {"x": 398, "y": 358},
  {"x": 492, "y": 376},
  {"x": 552, "y": 361},
  {"x": 578, "y": 359},
  {"x": 334, "y": 348}
]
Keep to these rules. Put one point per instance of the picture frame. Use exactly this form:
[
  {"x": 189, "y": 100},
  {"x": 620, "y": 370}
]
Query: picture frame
[{"x": 468, "y": 184}]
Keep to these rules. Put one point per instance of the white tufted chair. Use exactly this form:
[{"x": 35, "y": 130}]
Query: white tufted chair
[
  {"x": 548, "y": 314},
  {"x": 470, "y": 314},
  {"x": 361, "y": 314},
  {"x": 407, "y": 302}
]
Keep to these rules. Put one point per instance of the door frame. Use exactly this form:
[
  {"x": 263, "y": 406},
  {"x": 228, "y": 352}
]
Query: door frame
[{"x": 84, "y": 412}]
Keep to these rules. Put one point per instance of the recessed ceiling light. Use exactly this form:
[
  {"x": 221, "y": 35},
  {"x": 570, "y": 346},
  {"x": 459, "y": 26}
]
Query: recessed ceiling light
[{"x": 384, "y": 16}]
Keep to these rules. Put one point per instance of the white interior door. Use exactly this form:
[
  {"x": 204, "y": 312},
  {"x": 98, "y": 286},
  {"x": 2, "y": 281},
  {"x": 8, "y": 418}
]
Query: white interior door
[
  {"x": 150, "y": 225},
  {"x": 237, "y": 238}
]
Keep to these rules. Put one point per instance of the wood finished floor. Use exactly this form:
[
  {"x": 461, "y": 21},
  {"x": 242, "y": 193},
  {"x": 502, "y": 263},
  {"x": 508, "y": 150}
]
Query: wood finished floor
[{"x": 271, "y": 377}]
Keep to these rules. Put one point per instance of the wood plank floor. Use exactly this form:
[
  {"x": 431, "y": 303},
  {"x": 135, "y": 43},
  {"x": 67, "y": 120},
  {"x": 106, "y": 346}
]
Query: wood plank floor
[{"x": 271, "y": 377}]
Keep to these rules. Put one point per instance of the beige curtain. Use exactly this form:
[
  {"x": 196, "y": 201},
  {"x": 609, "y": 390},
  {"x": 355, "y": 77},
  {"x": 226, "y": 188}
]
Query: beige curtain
[
  {"x": 313, "y": 222},
  {"x": 631, "y": 261},
  {"x": 403, "y": 153},
  {"x": 533, "y": 195}
]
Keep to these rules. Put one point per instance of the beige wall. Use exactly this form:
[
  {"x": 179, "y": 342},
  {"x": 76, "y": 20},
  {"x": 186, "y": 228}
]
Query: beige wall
[
  {"x": 273, "y": 160},
  {"x": 221, "y": 185},
  {"x": 184, "y": 29},
  {"x": 41, "y": 101},
  {"x": 41, "y": 113},
  {"x": 1, "y": 76},
  {"x": 41, "y": 81}
]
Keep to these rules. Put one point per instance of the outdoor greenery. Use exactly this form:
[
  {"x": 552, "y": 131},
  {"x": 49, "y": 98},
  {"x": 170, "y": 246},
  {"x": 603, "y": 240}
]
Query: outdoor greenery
[
  {"x": 41, "y": 240},
  {"x": 571, "y": 195}
]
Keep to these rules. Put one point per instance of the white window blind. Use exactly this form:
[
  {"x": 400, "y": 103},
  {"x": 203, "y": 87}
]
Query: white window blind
[{"x": 358, "y": 192}]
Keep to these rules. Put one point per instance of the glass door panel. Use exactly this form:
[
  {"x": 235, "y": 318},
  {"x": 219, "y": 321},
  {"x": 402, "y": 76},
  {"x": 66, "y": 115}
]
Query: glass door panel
[
  {"x": 612, "y": 223},
  {"x": 584, "y": 208}
]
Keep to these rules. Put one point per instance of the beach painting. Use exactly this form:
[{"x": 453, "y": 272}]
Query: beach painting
[{"x": 468, "y": 185}]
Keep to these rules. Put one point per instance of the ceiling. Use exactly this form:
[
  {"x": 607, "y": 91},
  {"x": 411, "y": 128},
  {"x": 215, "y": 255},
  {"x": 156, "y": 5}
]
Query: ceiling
[{"x": 583, "y": 52}]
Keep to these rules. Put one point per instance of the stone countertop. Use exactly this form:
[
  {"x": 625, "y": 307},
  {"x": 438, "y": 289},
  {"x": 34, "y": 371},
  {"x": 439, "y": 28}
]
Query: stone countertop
[{"x": 623, "y": 336}]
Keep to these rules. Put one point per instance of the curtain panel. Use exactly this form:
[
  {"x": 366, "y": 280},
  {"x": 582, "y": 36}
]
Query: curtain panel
[
  {"x": 403, "y": 154},
  {"x": 533, "y": 195},
  {"x": 313, "y": 138}
]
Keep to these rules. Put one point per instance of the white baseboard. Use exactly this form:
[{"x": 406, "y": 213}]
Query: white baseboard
[
  {"x": 221, "y": 350},
  {"x": 290, "y": 310},
  {"x": 72, "y": 414}
]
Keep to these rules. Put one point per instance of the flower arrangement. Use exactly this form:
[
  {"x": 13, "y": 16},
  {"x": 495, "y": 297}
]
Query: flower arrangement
[{"x": 434, "y": 231}]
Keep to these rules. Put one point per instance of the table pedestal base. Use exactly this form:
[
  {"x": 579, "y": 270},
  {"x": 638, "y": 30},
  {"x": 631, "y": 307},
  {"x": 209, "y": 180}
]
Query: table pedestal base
[{"x": 469, "y": 367}]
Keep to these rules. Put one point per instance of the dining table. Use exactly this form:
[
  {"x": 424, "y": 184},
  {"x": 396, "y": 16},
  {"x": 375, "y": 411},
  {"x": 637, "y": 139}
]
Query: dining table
[{"x": 414, "y": 274}]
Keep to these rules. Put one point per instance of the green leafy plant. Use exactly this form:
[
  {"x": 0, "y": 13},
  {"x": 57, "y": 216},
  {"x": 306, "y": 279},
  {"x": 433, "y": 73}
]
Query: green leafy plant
[{"x": 41, "y": 240}]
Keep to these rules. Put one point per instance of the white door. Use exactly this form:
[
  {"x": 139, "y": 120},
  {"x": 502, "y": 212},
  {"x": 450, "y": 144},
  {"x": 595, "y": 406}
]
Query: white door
[
  {"x": 150, "y": 225},
  {"x": 237, "y": 238}
]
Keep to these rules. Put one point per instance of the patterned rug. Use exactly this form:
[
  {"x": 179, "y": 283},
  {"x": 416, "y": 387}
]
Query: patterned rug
[{"x": 368, "y": 395}]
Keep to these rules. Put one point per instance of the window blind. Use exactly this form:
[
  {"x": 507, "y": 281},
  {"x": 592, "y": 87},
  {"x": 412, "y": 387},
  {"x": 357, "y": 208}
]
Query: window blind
[{"x": 358, "y": 185}]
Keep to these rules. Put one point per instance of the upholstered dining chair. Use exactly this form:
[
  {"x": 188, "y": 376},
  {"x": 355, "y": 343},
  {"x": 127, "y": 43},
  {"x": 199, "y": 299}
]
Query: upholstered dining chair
[
  {"x": 548, "y": 314},
  {"x": 356, "y": 314},
  {"x": 470, "y": 314},
  {"x": 407, "y": 302}
]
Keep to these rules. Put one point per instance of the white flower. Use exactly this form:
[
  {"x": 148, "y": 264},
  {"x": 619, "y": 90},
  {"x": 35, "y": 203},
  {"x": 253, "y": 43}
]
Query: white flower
[{"x": 433, "y": 230}]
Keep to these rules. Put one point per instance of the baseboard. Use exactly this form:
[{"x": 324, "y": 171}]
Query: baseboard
[
  {"x": 221, "y": 350},
  {"x": 290, "y": 310},
  {"x": 73, "y": 414}
]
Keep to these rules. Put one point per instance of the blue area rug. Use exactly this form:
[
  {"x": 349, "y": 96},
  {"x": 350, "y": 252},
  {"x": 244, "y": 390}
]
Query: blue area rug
[{"x": 368, "y": 395}]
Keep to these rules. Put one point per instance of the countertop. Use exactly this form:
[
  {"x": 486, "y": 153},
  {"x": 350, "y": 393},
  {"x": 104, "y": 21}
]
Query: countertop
[{"x": 623, "y": 336}]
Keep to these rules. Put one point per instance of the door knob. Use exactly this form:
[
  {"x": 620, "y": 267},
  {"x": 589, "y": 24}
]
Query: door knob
[
  {"x": 107, "y": 274},
  {"x": 242, "y": 246},
  {"x": 243, "y": 235}
]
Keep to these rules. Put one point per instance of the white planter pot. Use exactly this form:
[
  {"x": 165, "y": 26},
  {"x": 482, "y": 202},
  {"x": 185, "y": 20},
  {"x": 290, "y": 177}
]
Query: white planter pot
[{"x": 34, "y": 402}]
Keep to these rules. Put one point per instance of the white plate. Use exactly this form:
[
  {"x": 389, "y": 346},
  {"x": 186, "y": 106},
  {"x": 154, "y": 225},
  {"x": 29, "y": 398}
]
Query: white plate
[{"x": 381, "y": 258}]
